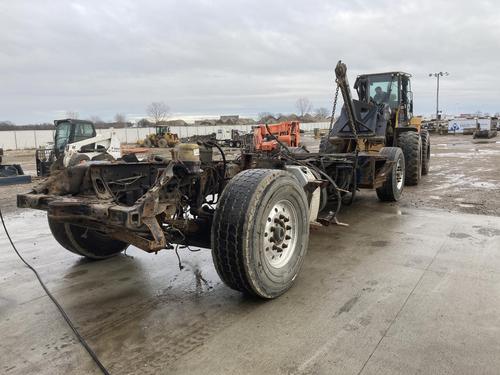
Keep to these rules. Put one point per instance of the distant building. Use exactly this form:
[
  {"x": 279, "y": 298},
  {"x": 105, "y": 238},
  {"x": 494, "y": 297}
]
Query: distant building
[
  {"x": 225, "y": 120},
  {"x": 204, "y": 122},
  {"x": 232, "y": 120},
  {"x": 176, "y": 123}
]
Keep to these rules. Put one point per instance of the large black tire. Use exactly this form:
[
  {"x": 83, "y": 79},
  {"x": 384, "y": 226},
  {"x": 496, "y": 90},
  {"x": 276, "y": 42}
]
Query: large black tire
[
  {"x": 426, "y": 150},
  {"x": 392, "y": 189},
  {"x": 411, "y": 144},
  {"x": 260, "y": 232},
  {"x": 85, "y": 242},
  {"x": 162, "y": 143}
]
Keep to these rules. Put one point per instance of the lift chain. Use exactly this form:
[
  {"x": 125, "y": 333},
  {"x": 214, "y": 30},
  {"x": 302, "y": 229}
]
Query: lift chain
[{"x": 334, "y": 107}]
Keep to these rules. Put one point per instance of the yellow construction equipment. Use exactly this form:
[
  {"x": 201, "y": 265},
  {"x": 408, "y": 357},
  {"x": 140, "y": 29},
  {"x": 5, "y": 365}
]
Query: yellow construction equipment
[{"x": 162, "y": 137}]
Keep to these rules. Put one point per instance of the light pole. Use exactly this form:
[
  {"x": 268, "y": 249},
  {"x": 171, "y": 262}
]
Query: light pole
[{"x": 437, "y": 75}]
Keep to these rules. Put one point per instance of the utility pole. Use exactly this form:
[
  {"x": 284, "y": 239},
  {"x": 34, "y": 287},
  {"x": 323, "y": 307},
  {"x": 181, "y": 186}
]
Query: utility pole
[{"x": 437, "y": 75}]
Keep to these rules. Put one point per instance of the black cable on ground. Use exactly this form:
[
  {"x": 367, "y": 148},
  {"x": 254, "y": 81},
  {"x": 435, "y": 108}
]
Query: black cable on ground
[{"x": 59, "y": 307}]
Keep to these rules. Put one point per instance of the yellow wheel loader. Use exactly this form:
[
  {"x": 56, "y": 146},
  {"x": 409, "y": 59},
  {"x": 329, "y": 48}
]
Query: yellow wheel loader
[{"x": 162, "y": 137}]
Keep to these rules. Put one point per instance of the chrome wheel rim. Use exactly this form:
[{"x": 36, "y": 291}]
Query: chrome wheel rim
[
  {"x": 399, "y": 175},
  {"x": 280, "y": 233}
]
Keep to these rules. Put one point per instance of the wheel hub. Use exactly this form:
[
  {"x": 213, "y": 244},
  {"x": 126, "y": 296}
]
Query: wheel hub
[{"x": 280, "y": 233}]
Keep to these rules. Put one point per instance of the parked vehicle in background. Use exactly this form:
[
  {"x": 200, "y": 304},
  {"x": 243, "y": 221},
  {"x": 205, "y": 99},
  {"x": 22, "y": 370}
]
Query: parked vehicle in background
[
  {"x": 75, "y": 141},
  {"x": 162, "y": 137}
]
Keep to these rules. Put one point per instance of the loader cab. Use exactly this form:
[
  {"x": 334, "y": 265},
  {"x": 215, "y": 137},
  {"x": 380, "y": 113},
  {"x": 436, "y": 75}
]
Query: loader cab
[
  {"x": 392, "y": 89},
  {"x": 161, "y": 130},
  {"x": 71, "y": 131}
]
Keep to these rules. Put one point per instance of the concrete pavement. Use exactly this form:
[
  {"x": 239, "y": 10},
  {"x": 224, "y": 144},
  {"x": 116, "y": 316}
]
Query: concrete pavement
[{"x": 399, "y": 291}]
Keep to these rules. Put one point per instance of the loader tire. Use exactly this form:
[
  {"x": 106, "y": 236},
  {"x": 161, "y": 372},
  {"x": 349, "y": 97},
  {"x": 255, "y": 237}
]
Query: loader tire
[
  {"x": 411, "y": 144},
  {"x": 392, "y": 188},
  {"x": 163, "y": 143},
  {"x": 148, "y": 143},
  {"x": 85, "y": 242},
  {"x": 426, "y": 150},
  {"x": 260, "y": 232}
]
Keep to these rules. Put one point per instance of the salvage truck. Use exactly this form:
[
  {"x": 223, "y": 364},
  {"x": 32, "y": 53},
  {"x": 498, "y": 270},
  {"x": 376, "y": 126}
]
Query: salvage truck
[{"x": 253, "y": 212}]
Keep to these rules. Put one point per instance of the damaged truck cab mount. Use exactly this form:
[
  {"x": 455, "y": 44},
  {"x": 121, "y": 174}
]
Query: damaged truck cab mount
[{"x": 253, "y": 212}]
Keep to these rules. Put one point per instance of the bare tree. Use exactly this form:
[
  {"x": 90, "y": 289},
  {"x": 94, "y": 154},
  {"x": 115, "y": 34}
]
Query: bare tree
[
  {"x": 158, "y": 111},
  {"x": 264, "y": 116},
  {"x": 303, "y": 105},
  {"x": 143, "y": 123},
  {"x": 120, "y": 119},
  {"x": 321, "y": 112},
  {"x": 72, "y": 115}
]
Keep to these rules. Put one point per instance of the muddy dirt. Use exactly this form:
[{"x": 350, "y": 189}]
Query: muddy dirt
[{"x": 464, "y": 176}]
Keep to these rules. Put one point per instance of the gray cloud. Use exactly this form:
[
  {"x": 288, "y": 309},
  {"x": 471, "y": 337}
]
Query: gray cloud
[{"x": 212, "y": 57}]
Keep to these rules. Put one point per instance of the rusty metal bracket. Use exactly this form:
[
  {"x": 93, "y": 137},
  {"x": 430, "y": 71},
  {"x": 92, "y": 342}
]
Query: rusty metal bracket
[
  {"x": 159, "y": 241},
  {"x": 100, "y": 187}
]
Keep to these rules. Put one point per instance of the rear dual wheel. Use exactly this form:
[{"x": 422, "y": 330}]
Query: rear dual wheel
[
  {"x": 260, "y": 232},
  {"x": 84, "y": 241}
]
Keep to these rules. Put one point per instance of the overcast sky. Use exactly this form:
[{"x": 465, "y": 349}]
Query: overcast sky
[{"x": 227, "y": 57}]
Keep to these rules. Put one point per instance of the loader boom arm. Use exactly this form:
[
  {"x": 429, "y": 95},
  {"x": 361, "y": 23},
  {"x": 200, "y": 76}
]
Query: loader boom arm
[{"x": 343, "y": 83}]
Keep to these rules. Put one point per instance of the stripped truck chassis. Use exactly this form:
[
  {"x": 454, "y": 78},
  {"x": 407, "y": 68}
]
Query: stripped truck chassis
[
  {"x": 253, "y": 212},
  {"x": 162, "y": 204}
]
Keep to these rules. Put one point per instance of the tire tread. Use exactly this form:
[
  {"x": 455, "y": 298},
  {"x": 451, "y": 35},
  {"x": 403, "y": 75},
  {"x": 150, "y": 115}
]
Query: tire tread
[{"x": 410, "y": 143}]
